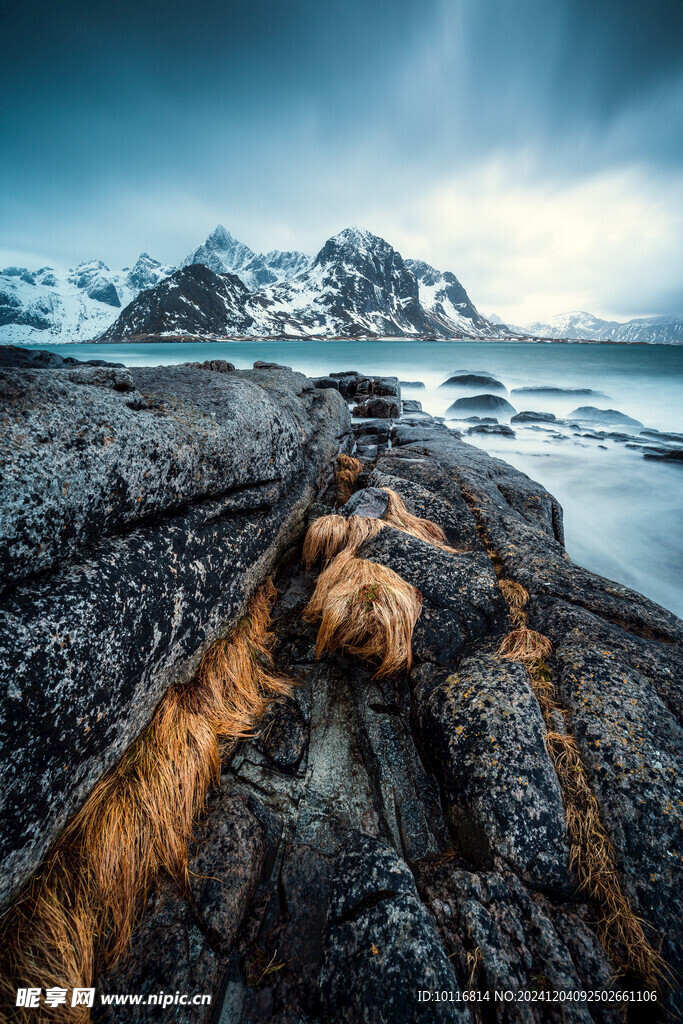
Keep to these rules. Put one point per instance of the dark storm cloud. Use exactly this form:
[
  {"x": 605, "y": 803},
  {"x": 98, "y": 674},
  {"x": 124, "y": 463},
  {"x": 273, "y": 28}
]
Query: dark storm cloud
[{"x": 133, "y": 125}]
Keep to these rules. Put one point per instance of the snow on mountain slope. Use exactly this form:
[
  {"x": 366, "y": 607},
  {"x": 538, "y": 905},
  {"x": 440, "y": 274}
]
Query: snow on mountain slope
[
  {"x": 225, "y": 254},
  {"x": 357, "y": 285},
  {"x": 582, "y": 326},
  {"x": 449, "y": 306},
  {"x": 42, "y": 306},
  {"x": 194, "y": 302}
]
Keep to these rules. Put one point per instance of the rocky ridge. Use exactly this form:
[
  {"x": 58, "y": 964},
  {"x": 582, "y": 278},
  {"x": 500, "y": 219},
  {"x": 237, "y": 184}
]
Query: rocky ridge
[
  {"x": 379, "y": 838},
  {"x": 357, "y": 286}
]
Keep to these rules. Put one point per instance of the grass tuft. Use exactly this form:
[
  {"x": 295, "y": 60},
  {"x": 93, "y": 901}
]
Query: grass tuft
[
  {"x": 367, "y": 610},
  {"x": 77, "y": 915},
  {"x": 398, "y": 516},
  {"x": 328, "y": 536},
  {"x": 517, "y": 598},
  {"x": 346, "y": 474},
  {"x": 525, "y": 645}
]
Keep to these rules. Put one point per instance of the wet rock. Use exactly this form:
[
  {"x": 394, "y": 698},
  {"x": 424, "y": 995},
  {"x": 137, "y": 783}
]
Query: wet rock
[
  {"x": 501, "y": 937},
  {"x": 14, "y": 356},
  {"x": 474, "y": 380},
  {"x": 325, "y": 382},
  {"x": 411, "y": 383},
  {"x": 381, "y": 407},
  {"x": 429, "y": 493},
  {"x": 388, "y": 386},
  {"x": 461, "y": 600},
  {"x": 527, "y": 416},
  {"x": 663, "y": 435},
  {"x": 215, "y": 365},
  {"x": 381, "y": 947},
  {"x": 541, "y": 391},
  {"x": 133, "y": 539},
  {"x": 411, "y": 405},
  {"x": 304, "y": 884},
  {"x": 283, "y": 735},
  {"x": 482, "y": 726},
  {"x": 378, "y": 429},
  {"x": 497, "y": 428},
  {"x": 231, "y": 846},
  {"x": 624, "y": 698},
  {"x": 169, "y": 954},
  {"x": 414, "y": 418},
  {"x": 369, "y": 501},
  {"x": 481, "y": 404},
  {"x": 366, "y": 452},
  {"x": 592, "y": 414},
  {"x": 665, "y": 454},
  {"x": 260, "y": 364}
]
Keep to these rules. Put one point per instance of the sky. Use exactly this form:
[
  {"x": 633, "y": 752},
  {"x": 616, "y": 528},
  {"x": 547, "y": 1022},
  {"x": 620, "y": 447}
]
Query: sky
[{"x": 532, "y": 147}]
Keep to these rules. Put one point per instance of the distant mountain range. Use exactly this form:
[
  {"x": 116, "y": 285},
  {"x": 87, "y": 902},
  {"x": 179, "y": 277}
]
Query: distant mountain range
[
  {"x": 42, "y": 306},
  {"x": 358, "y": 285},
  {"x": 580, "y": 326}
]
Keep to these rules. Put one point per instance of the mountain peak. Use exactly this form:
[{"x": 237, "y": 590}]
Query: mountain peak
[
  {"x": 221, "y": 238},
  {"x": 359, "y": 238}
]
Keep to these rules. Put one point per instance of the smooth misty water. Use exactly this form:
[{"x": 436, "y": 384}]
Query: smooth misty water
[{"x": 623, "y": 513}]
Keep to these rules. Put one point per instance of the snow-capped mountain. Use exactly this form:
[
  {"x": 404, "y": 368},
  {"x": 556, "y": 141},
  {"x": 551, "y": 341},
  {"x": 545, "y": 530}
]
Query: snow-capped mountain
[
  {"x": 45, "y": 306},
  {"x": 357, "y": 286},
  {"x": 582, "y": 326},
  {"x": 448, "y": 304},
  {"x": 225, "y": 254},
  {"x": 193, "y": 302}
]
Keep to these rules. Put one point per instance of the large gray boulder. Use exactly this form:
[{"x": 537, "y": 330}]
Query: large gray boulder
[{"x": 135, "y": 525}]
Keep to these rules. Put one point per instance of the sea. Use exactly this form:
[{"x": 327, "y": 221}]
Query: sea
[{"x": 623, "y": 512}]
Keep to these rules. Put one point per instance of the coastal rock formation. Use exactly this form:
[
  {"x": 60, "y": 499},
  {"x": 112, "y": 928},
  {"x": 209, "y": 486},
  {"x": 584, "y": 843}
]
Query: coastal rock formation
[
  {"x": 381, "y": 840},
  {"x": 139, "y": 513},
  {"x": 480, "y": 403}
]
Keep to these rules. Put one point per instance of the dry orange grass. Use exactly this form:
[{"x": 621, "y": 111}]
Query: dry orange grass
[
  {"x": 328, "y": 536},
  {"x": 367, "y": 610},
  {"x": 398, "y": 516},
  {"x": 516, "y": 597},
  {"x": 525, "y": 645},
  {"x": 346, "y": 474},
  {"x": 79, "y": 913}
]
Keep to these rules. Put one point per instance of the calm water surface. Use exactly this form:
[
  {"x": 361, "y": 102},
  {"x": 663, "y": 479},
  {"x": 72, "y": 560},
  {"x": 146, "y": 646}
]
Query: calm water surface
[{"x": 623, "y": 513}]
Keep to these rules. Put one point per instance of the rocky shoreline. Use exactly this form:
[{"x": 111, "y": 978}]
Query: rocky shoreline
[{"x": 379, "y": 837}]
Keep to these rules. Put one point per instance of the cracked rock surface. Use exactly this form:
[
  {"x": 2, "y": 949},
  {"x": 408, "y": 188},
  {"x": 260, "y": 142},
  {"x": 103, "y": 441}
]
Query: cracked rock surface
[{"x": 384, "y": 840}]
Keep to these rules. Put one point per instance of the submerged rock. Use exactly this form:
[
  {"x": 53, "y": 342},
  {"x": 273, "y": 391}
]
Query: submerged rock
[
  {"x": 481, "y": 403},
  {"x": 382, "y": 407},
  {"x": 496, "y": 428},
  {"x": 540, "y": 390},
  {"x": 592, "y": 414},
  {"x": 474, "y": 380},
  {"x": 528, "y": 416}
]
